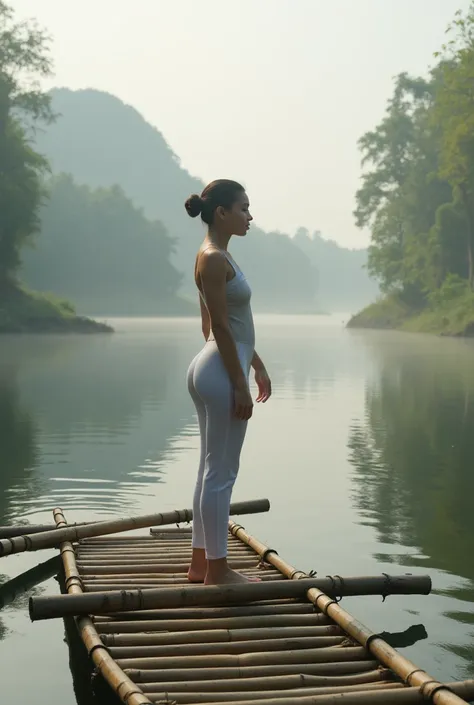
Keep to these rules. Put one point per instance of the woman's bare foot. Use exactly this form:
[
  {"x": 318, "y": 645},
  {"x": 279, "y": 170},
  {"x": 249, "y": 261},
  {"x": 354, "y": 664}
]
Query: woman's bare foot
[
  {"x": 219, "y": 573},
  {"x": 198, "y": 568}
]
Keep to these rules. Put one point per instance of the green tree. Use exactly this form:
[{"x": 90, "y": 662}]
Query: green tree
[
  {"x": 24, "y": 59},
  {"x": 453, "y": 116},
  {"x": 402, "y": 191}
]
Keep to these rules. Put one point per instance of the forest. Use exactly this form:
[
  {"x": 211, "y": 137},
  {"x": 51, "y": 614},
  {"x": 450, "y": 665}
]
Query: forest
[{"x": 417, "y": 196}]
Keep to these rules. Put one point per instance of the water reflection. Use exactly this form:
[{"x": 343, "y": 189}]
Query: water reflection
[
  {"x": 412, "y": 455},
  {"x": 107, "y": 412},
  {"x": 17, "y": 443}
]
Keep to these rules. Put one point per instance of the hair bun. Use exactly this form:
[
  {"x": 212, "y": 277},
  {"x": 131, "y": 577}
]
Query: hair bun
[{"x": 194, "y": 205}]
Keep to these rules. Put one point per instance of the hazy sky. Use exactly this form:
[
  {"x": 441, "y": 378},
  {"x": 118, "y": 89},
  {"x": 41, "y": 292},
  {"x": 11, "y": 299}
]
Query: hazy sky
[{"x": 274, "y": 93}]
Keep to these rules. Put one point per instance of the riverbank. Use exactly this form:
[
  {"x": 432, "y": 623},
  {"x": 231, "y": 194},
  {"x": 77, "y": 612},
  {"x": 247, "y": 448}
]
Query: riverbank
[
  {"x": 453, "y": 316},
  {"x": 23, "y": 311}
]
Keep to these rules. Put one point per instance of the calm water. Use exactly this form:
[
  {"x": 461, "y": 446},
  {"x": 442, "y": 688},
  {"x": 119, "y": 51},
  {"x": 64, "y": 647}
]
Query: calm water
[{"x": 366, "y": 452}]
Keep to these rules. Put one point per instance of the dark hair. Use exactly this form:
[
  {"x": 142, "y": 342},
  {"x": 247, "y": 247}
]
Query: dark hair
[{"x": 222, "y": 192}]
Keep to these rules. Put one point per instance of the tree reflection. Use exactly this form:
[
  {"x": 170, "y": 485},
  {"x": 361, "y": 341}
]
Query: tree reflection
[{"x": 412, "y": 456}]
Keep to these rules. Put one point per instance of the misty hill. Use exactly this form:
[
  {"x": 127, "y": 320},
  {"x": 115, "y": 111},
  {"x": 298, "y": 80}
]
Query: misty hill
[
  {"x": 343, "y": 283},
  {"x": 101, "y": 141},
  {"x": 98, "y": 249}
]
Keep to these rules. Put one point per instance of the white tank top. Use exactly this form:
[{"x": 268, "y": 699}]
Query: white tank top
[{"x": 239, "y": 312}]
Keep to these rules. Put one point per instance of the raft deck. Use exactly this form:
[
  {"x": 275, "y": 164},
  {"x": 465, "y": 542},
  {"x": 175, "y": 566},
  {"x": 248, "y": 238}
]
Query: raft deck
[{"x": 264, "y": 652}]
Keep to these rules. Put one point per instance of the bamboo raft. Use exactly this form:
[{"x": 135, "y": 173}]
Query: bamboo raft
[{"x": 155, "y": 638}]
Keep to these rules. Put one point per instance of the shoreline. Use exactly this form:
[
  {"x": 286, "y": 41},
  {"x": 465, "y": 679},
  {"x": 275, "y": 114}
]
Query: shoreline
[{"x": 454, "y": 319}]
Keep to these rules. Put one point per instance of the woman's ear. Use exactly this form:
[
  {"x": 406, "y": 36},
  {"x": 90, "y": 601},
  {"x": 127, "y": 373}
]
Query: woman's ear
[{"x": 220, "y": 212}]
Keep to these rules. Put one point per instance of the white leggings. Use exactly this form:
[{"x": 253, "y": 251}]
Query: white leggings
[{"x": 222, "y": 437}]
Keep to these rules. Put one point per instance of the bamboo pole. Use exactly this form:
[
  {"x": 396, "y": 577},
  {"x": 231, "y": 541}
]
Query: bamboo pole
[
  {"x": 376, "y": 696},
  {"x": 122, "y": 685},
  {"x": 162, "y": 567},
  {"x": 212, "y": 636},
  {"x": 151, "y": 556},
  {"x": 153, "y": 551},
  {"x": 50, "y": 539},
  {"x": 337, "y": 677},
  {"x": 114, "y": 585},
  {"x": 8, "y": 532},
  {"x": 185, "y": 625},
  {"x": 301, "y": 657},
  {"x": 244, "y": 696},
  {"x": 136, "y": 577},
  {"x": 193, "y": 674},
  {"x": 245, "y": 561},
  {"x": 147, "y": 584},
  {"x": 172, "y": 531},
  {"x": 405, "y": 669},
  {"x": 48, "y": 607},
  {"x": 257, "y": 610},
  {"x": 229, "y": 647}
]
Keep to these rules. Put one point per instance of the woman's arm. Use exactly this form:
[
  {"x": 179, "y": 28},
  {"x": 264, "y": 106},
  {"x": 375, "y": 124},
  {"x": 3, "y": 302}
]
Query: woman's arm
[
  {"x": 262, "y": 379},
  {"x": 257, "y": 363},
  {"x": 213, "y": 274}
]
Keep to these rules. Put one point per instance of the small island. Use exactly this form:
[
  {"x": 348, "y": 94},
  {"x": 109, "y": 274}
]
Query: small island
[{"x": 417, "y": 197}]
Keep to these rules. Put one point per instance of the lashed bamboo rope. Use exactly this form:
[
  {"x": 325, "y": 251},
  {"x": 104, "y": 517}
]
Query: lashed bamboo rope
[
  {"x": 124, "y": 687},
  {"x": 405, "y": 669},
  {"x": 50, "y": 539}
]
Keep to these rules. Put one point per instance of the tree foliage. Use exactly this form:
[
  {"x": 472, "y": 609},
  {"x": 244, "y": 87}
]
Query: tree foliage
[
  {"x": 417, "y": 194},
  {"x": 24, "y": 60}
]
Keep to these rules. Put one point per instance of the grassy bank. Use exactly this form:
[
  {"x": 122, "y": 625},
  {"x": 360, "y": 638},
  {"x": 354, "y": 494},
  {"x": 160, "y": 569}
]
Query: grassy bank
[
  {"x": 449, "y": 311},
  {"x": 23, "y": 311}
]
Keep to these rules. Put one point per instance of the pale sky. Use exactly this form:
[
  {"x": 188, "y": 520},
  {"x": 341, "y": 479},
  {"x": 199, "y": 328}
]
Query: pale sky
[{"x": 273, "y": 93}]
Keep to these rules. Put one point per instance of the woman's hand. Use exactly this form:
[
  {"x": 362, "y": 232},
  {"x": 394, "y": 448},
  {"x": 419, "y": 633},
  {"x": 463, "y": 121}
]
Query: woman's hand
[
  {"x": 264, "y": 384},
  {"x": 243, "y": 404}
]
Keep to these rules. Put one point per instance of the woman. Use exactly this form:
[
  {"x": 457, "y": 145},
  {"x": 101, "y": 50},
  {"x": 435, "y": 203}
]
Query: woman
[{"x": 218, "y": 375}]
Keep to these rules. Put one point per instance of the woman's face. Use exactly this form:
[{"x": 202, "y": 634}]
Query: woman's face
[{"x": 237, "y": 220}]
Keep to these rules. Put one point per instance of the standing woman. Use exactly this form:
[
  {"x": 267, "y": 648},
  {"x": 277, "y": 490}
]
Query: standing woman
[{"x": 218, "y": 375}]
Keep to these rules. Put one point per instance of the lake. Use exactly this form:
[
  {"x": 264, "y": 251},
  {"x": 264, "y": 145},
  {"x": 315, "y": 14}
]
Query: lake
[{"x": 365, "y": 451}]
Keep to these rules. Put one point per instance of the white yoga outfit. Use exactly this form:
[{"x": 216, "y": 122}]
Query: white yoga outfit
[{"x": 222, "y": 434}]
